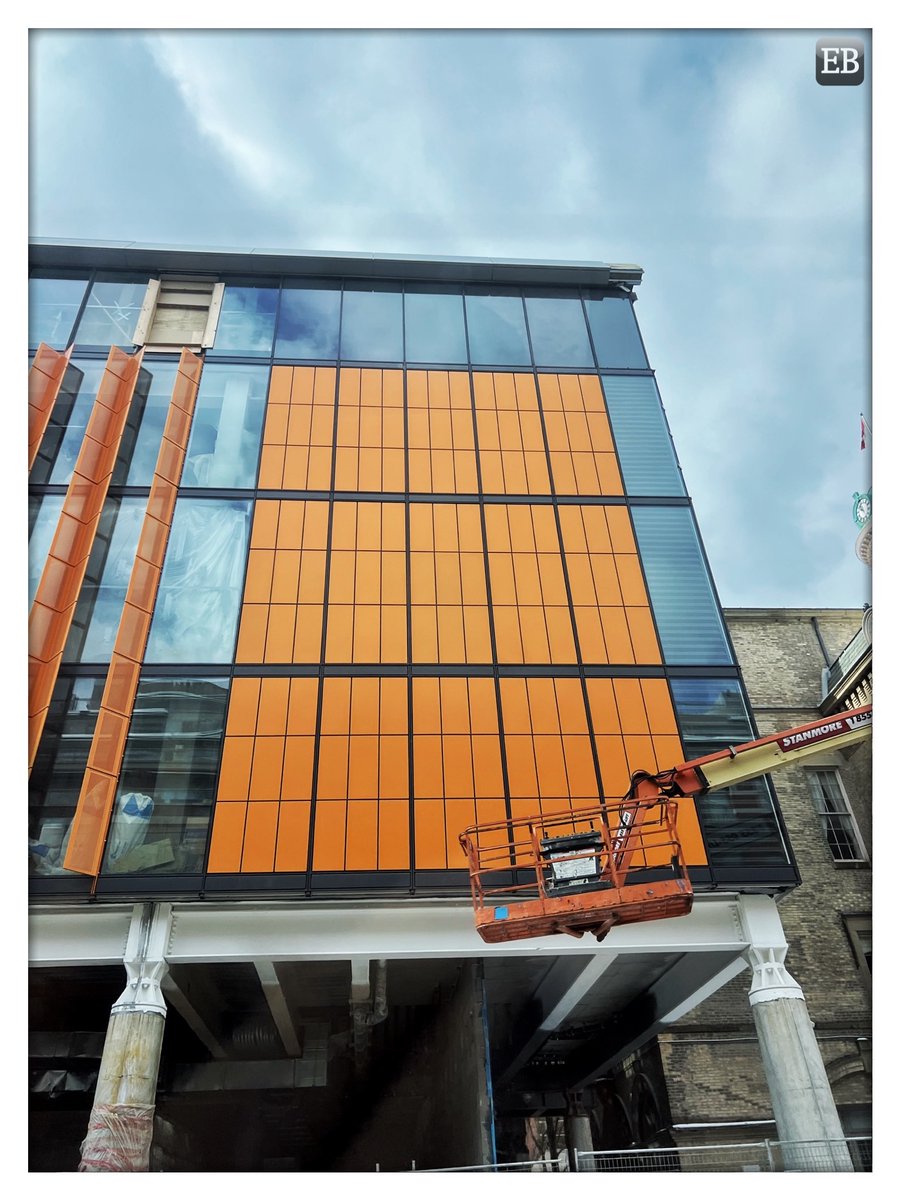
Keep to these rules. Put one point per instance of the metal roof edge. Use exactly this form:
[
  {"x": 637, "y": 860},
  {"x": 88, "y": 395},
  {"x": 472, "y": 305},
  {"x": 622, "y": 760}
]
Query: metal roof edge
[{"x": 122, "y": 255}]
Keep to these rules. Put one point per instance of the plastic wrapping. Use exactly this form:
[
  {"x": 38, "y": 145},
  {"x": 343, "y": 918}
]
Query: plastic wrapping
[{"x": 118, "y": 1139}]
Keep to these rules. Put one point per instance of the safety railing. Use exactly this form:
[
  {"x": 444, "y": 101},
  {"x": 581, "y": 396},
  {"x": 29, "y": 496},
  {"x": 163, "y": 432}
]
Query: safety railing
[{"x": 842, "y": 1155}]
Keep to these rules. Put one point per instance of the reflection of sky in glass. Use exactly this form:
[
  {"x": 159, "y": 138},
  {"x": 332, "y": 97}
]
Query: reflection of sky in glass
[
  {"x": 223, "y": 450},
  {"x": 711, "y": 711},
  {"x": 615, "y": 331},
  {"x": 558, "y": 332},
  {"x": 65, "y": 430},
  {"x": 372, "y": 326},
  {"x": 646, "y": 454},
  {"x": 47, "y": 510},
  {"x": 146, "y": 420},
  {"x": 111, "y": 314},
  {"x": 100, "y": 604},
  {"x": 308, "y": 322},
  {"x": 195, "y": 619},
  {"x": 687, "y": 616},
  {"x": 497, "y": 331},
  {"x": 52, "y": 307},
  {"x": 246, "y": 321},
  {"x": 435, "y": 329}
]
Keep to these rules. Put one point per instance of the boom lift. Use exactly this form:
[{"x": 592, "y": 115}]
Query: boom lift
[{"x": 589, "y": 869}]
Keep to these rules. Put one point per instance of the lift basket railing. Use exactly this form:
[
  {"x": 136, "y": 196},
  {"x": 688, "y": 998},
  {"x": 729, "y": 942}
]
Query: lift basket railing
[{"x": 577, "y": 871}]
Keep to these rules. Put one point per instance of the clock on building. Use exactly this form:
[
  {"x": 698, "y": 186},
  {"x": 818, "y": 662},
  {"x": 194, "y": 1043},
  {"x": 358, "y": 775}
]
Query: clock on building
[{"x": 862, "y": 507}]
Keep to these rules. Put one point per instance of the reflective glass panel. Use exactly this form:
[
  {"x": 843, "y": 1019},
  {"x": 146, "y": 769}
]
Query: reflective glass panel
[
  {"x": 739, "y": 824},
  {"x": 223, "y": 450},
  {"x": 496, "y": 323},
  {"x": 687, "y": 615},
  {"x": 62, "y": 439},
  {"x": 143, "y": 431},
  {"x": 102, "y": 596},
  {"x": 559, "y": 335},
  {"x": 167, "y": 783},
  {"x": 435, "y": 326},
  {"x": 111, "y": 313},
  {"x": 246, "y": 321},
  {"x": 202, "y": 579},
  {"x": 43, "y": 517},
  {"x": 308, "y": 321},
  {"x": 615, "y": 332},
  {"x": 52, "y": 308},
  {"x": 56, "y": 777},
  {"x": 372, "y": 324},
  {"x": 646, "y": 453}
]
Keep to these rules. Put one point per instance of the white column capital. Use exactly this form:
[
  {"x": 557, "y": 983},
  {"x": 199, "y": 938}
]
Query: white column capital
[
  {"x": 771, "y": 979},
  {"x": 144, "y": 961}
]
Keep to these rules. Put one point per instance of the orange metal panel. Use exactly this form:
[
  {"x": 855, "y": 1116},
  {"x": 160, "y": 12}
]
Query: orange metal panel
[
  {"x": 363, "y": 774},
  {"x": 424, "y": 634},
  {"x": 252, "y": 635},
  {"x": 312, "y": 577},
  {"x": 258, "y": 584},
  {"x": 393, "y": 633},
  {"x": 280, "y": 385},
  {"x": 460, "y": 815},
  {"x": 535, "y": 646},
  {"x": 299, "y": 426},
  {"x": 234, "y": 772},
  {"x": 564, "y": 481},
  {"x": 643, "y": 635},
  {"x": 427, "y": 764},
  {"x": 616, "y": 636},
  {"x": 486, "y": 765},
  {"x": 227, "y": 838},
  {"x": 521, "y": 767},
  {"x": 280, "y": 633},
  {"x": 293, "y": 836},
  {"x": 285, "y": 577},
  {"x": 336, "y": 705},
  {"x": 630, "y": 704},
  {"x": 88, "y": 828},
  {"x": 333, "y": 761},
  {"x": 606, "y": 581},
  {"x": 366, "y": 633},
  {"x": 362, "y": 835},
  {"x": 273, "y": 706},
  {"x": 508, "y": 635},
  {"x": 265, "y": 773},
  {"x": 259, "y": 837},
  {"x": 393, "y": 718},
  {"x": 590, "y": 635},
  {"x": 660, "y": 713},
  {"x": 427, "y": 707},
  {"x": 580, "y": 766},
  {"x": 303, "y": 706},
  {"x": 271, "y": 467},
  {"x": 346, "y": 469},
  {"x": 329, "y": 836},
  {"x": 265, "y": 524},
  {"x": 298, "y": 463},
  {"x": 288, "y": 534},
  {"x": 393, "y": 835},
  {"x": 275, "y": 432},
  {"x": 108, "y": 742},
  {"x": 243, "y": 706},
  {"x": 393, "y": 774},
  {"x": 431, "y": 844},
  {"x": 121, "y": 686},
  {"x": 308, "y": 634}
]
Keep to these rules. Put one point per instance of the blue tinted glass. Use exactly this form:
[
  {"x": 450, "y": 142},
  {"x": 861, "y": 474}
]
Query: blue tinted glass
[
  {"x": 687, "y": 615},
  {"x": 223, "y": 450},
  {"x": 497, "y": 334},
  {"x": 308, "y": 322},
  {"x": 143, "y": 431},
  {"x": 247, "y": 321},
  {"x": 195, "y": 619},
  {"x": 558, "y": 333},
  {"x": 646, "y": 453},
  {"x": 739, "y": 824},
  {"x": 111, "y": 313},
  {"x": 62, "y": 439},
  {"x": 58, "y": 771},
  {"x": 44, "y": 517},
  {"x": 435, "y": 327},
  {"x": 52, "y": 308},
  {"x": 372, "y": 324},
  {"x": 615, "y": 332},
  {"x": 102, "y": 596},
  {"x": 167, "y": 784}
]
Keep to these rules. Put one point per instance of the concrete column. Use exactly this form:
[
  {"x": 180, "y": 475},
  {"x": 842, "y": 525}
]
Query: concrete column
[
  {"x": 801, "y": 1096},
  {"x": 578, "y": 1136},
  {"x": 120, "y": 1130}
]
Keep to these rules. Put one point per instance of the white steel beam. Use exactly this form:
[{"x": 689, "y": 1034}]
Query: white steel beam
[{"x": 278, "y": 1006}]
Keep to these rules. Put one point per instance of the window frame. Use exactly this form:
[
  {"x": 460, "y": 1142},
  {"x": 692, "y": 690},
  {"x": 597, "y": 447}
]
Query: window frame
[{"x": 848, "y": 818}]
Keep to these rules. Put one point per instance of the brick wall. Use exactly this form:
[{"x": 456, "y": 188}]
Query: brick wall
[{"x": 711, "y": 1057}]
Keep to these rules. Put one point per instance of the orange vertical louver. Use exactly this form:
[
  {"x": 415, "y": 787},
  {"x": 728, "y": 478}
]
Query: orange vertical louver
[
  {"x": 44, "y": 381},
  {"x": 63, "y": 574},
  {"x": 104, "y": 764}
]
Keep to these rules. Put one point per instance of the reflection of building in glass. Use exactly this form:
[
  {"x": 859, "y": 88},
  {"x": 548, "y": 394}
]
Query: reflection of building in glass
[{"x": 330, "y": 559}]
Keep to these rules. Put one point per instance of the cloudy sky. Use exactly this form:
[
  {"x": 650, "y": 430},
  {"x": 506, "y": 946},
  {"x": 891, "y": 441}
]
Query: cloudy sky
[{"x": 712, "y": 159}]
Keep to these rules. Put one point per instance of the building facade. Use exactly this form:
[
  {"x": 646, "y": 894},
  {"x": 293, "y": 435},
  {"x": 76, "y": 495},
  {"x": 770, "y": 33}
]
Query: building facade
[{"x": 331, "y": 558}]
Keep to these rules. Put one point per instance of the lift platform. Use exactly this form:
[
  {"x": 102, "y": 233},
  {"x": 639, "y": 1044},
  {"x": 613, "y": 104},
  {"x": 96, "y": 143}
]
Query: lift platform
[{"x": 586, "y": 870}]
